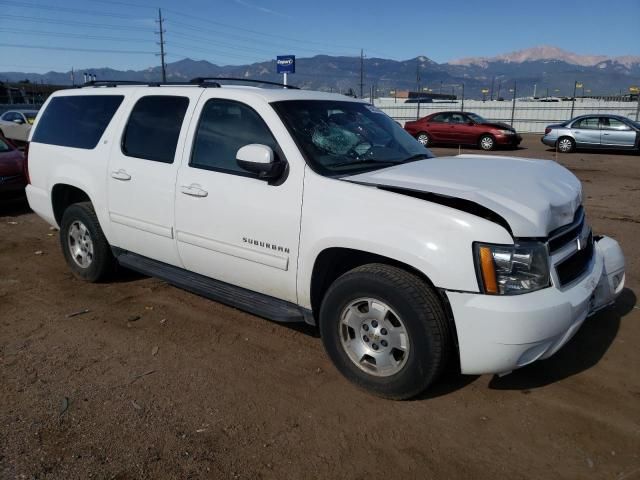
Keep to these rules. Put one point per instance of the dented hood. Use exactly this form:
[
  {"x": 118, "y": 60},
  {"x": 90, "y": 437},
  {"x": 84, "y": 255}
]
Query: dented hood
[{"x": 534, "y": 196}]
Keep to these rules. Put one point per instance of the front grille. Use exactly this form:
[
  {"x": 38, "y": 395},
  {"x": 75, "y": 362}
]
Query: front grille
[
  {"x": 577, "y": 264},
  {"x": 564, "y": 235}
]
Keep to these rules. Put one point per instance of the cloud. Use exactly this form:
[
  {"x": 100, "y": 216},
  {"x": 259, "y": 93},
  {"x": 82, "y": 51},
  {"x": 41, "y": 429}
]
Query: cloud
[{"x": 261, "y": 8}]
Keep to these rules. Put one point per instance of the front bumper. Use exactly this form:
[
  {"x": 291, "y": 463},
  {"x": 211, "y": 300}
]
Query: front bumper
[
  {"x": 497, "y": 334},
  {"x": 508, "y": 140}
]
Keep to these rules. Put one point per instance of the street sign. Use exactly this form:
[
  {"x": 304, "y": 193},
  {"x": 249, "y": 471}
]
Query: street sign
[
  {"x": 578, "y": 85},
  {"x": 286, "y": 63},
  {"x": 485, "y": 90},
  {"x": 634, "y": 89}
]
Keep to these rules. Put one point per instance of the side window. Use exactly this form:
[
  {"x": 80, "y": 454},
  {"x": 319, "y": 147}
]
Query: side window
[
  {"x": 589, "y": 123},
  {"x": 76, "y": 120},
  {"x": 608, "y": 123},
  {"x": 457, "y": 118},
  {"x": 441, "y": 118},
  {"x": 225, "y": 126},
  {"x": 154, "y": 127},
  {"x": 5, "y": 116}
]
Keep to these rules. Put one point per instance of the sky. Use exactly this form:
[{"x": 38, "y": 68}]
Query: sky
[{"x": 122, "y": 34}]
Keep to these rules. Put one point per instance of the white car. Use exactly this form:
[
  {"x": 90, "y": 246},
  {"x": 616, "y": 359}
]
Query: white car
[
  {"x": 305, "y": 206},
  {"x": 16, "y": 124}
]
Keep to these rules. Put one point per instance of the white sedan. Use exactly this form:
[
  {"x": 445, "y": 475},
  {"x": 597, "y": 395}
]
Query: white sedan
[{"x": 16, "y": 124}]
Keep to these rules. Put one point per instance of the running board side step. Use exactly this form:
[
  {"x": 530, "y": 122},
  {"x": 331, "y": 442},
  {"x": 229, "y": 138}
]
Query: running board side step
[{"x": 238, "y": 297}]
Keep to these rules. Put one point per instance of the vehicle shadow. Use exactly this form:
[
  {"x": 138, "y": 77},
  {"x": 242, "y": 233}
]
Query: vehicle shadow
[
  {"x": 581, "y": 353},
  {"x": 14, "y": 207},
  {"x": 597, "y": 151}
]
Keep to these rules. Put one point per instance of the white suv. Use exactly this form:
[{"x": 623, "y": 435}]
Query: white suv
[{"x": 305, "y": 206}]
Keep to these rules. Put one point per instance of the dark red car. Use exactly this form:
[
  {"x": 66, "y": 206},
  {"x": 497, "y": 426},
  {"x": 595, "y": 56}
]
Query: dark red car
[
  {"x": 12, "y": 170},
  {"x": 462, "y": 128}
]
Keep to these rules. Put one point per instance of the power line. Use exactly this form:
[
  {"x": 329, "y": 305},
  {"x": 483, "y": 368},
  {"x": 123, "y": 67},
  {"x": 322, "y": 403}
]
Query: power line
[
  {"x": 242, "y": 38},
  {"x": 72, "y": 23},
  {"x": 64, "y": 9},
  {"x": 93, "y": 50},
  {"x": 222, "y": 44},
  {"x": 71, "y": 35}
]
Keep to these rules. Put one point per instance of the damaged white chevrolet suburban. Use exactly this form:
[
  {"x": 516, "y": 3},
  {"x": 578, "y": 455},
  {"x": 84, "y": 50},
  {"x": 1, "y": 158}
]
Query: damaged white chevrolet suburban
[{"x": 306, "y": 206}]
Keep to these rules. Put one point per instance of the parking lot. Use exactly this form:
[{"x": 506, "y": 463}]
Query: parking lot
[{"x": 138, "y": 379}]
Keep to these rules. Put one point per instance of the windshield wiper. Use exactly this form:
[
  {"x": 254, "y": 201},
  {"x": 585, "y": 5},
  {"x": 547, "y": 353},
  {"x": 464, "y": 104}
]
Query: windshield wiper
[{"x": 363, "y": 162}]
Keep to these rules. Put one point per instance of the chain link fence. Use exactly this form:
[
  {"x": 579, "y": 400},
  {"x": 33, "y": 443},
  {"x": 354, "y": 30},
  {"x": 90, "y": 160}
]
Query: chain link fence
[{"x": 525, "y": 116}]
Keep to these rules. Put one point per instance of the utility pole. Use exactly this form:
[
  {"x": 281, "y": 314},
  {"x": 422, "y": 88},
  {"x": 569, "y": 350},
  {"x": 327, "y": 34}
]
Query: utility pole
[
  {"x": 573, "y": 100},
  {"x": 73, "y": 78},
  {"x": 361, "y": 73},
  {"x": 513, "y": 105},
  {"x": 493, "y": 79},
  {"x": 462, "y": 106},
  {"x": 162, "y": 54},
  {"x": 418, "y": 76}
]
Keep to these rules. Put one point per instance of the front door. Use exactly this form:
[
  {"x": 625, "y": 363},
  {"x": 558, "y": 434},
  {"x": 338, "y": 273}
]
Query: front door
[
  {"x": 615, "y": 133},
  {"x": 230, "y": 225},
  {"x": 142, "y": 173}
]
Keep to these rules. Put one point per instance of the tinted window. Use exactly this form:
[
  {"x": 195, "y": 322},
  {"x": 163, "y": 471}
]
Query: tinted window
[
  {"x": 613, "y": 124},
  {"x": 442, "y": 117},
  {"x": 4, "y": 147},
  {"x": 77, "y": 121},
  {"x": 588, "y": 123},
  {"x": 154, "y": 127},
  {"x": 458, "y": 118},
  {"x": 226, "y": 126}
]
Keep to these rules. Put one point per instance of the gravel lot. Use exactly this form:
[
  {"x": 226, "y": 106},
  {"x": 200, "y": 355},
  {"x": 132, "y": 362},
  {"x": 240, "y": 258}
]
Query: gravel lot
[{"x": 154, "y": 382}]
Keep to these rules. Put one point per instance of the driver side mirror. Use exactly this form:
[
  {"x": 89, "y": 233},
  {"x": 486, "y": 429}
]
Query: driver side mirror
[
  {"x": 19, "y": 121},
  {"x": 470, "y": 123},
  {"x": 259, "y": 159}
]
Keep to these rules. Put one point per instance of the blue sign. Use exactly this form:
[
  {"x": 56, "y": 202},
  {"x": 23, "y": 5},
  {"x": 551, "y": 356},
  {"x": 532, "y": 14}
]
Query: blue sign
[{"x": 286, "y": 63}]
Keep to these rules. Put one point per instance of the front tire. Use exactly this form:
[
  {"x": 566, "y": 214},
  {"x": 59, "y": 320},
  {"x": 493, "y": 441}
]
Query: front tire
[
  {"x": 85, "y": 248},
  {"x": 565, "y": 145},
  {"x": 385, "y": 330},
  {"x": 487, "y": 142}
]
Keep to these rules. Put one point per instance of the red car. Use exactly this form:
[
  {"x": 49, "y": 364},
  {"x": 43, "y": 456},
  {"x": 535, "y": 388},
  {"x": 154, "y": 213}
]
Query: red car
[
  {"x": 462, "y": 128},
  {"x": 12, "y": 170}
]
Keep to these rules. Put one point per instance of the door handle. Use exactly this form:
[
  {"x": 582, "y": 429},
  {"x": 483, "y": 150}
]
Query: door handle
[
  {"x": 121, "y": 175},
  {"x": 605, "y": 134},
  {"x": 194, "y": 190}
]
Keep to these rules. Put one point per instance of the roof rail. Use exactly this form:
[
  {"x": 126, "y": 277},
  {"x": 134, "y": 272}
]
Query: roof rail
[
  {"x": 115, "y": 83},
  {"x": 203, "y": 81}
]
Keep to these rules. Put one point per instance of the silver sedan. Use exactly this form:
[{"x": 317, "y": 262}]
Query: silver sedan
[{"x": 593, "y": 131}]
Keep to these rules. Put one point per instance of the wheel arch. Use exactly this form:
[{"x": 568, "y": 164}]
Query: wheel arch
[
  {"x": 333, "y": 262},
  {"x": 63, "y": 195}
]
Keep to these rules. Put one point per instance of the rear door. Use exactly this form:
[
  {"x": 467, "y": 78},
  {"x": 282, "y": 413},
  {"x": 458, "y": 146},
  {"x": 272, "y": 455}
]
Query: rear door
[
  {"x": 142, "y": 171},
  {"x": 460, "y": 130},
  {"x": 586, "y": 132},
  {"x": 616, "y": 133}
]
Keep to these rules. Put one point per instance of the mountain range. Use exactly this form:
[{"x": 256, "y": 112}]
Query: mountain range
[{"x": 552, "y": 70}]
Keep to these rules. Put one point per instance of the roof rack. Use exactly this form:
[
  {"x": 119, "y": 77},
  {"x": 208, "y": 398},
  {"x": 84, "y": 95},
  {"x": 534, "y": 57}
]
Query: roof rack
[
  {"x": 203, "y": 81},
  {"x": 210, "y": 82},
  {"x": 115, "y": 83}
]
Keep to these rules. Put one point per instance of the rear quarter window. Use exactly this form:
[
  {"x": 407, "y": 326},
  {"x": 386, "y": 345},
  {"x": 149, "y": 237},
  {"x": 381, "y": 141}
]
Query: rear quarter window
[{"x": 76, "y": 121}]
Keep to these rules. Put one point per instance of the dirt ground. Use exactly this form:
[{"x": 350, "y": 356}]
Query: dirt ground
[{"x": 154, "y": 382}]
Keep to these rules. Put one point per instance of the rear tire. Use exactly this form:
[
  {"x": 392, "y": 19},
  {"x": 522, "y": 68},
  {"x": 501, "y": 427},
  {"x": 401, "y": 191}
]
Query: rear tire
[
  {"x": 424, "y": 138},
  {"x": 487, "y": 142},
  {"x": 565, "y": 145},
  {"x": 385, "y": 330},
  {"x": 84, "y": 245}
]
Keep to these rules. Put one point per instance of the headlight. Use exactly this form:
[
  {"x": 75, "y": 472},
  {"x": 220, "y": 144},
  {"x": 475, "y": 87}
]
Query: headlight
[
  {"x": 512, "y": 269},
  {"x": 507, "y": 132}
]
